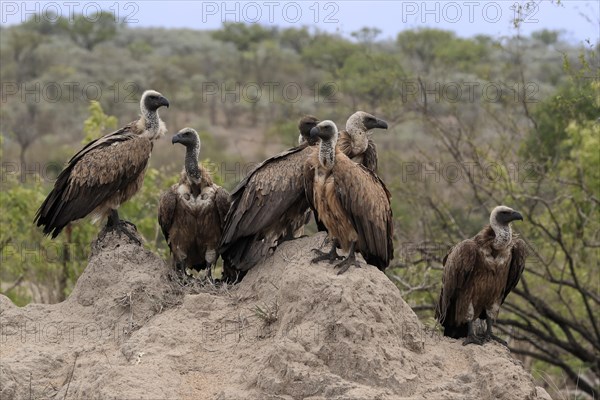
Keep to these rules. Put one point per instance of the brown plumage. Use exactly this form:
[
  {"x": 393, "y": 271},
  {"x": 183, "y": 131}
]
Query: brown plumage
[
  {"x": 351, "y": 201},
  {"x": 105, "y": 173},
  {"x": 478, "y": 275},
  {"x": 267, "y": 207},
  {"x": 356, "y": 140},
  {"x": 192, "y": 212}
]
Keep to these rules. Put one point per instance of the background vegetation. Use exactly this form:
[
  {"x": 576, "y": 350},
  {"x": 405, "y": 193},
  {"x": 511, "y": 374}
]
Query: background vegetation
[{"x": 474, "y": 123}]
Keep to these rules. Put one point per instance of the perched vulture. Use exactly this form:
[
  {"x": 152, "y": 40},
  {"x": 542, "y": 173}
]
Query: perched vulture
[
  {"x": 356, "y": 141},
  {"x": 105, "y": 173},
  {"x": 478, "y": 275},
  {"x": 351, "y": 201},
  {"x": 192, "y": 212},
  {"x": 267, "y": 207}
]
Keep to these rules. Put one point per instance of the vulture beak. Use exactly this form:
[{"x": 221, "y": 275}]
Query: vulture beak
[
  {"x": 314, "y": 132},
  {"x": 516, "y": 216},
  {"x": 381, "y": 124},
  {"x": 164, "y": 102},
  {"x": 175, "y": 139}
]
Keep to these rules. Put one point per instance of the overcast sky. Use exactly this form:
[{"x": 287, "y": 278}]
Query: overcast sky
[{"x": 580, "y": 19}]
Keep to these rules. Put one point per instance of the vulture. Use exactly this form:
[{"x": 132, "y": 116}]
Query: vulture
[
  {"x": 478, "y": 275},
  {"x": 105, "y": 173},
  {"x": 351, "y": 202},
  {"x": 192, "y": 212},
  {"x": 267, "y": 207},
  {"x": 356, "y": 141}
]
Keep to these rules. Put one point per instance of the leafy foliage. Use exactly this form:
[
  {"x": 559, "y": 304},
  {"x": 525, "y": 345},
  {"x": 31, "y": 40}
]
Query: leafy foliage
[
  {"x": 88, "y": 31},
  {"x": 97, "y": 123}
]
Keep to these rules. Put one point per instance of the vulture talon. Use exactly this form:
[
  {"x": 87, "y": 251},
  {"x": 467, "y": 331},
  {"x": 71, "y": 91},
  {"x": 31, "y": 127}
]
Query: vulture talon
[
  {"x": 330, "y": 256},
  {"x": 348, "y": 261},
  {"x": 181, "y": 269},
  {"x": 120, "y": 227},
  {"x": 473, "y": 339},
  {"x": 345, "y": 265},
  {"x": 489, "y": 338}
]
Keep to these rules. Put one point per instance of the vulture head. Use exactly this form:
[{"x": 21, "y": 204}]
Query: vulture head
[
  {"x": 502, "y": 216},
  {"x": 152, "y": 101},
  {"x": 305, "y": 124},
  {"x": 324, "y": 130},
  {"x": 361, "y": 122},
  {"x": 187, "y": 137}
]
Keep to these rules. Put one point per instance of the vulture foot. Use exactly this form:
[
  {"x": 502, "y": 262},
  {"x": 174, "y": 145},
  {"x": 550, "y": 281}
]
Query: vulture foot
[
  {"x": 490, "y": 337},
  {"x": 114, "y": 224},
  {"x": 348, "y": 261},
  {"x": 181, "y": 269},
  {"x": 344, "y": 265},
  {"x": 122, "y": 228},
  {"x": 330, "y": 256},
  {"x": 473, "y": 339}
]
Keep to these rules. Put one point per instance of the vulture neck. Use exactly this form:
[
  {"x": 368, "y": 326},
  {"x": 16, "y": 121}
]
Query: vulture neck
[
  {"x": 503, "y": 235},
  {"x": 191, "y": 162},
  {"x": 359, "y": 139},
  {"x": 152, "y": 124},
  {"x": 327, "y": 153}
]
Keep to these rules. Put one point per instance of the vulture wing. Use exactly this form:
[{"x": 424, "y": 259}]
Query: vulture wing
[
  {"x": 98, "y": 171},
  {"x": 309, "y": 182},
  {"x": 370, "y": 156},
  {"x": 265, "y": 195},
  {"x": 166, "y": 212},
  {"x": 458, "y": 265},
  {"x": 366, "y": 200},
  {"x": 517, "y": 265},
  {"x": 222, "y": 203}
]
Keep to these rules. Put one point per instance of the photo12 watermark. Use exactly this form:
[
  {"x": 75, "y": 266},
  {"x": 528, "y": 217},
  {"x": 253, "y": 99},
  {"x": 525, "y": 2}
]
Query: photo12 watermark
[
  {"x": 461, "y": 12},
  {"x": 53, "y": 11},
  {"x": 253, "y": 12},
  {"x": 69, "y": 91},
  {"x": 271, "y": 92}
]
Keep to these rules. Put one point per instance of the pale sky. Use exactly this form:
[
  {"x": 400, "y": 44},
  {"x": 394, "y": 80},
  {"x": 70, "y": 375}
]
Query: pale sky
[{"x": 580, "y": 19}]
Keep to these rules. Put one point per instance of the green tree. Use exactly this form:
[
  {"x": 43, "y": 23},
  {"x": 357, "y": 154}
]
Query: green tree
[
  {"x": 243, "y": 36},
  {"x": 329, "y": 53},
  {"x": 87, "y": 31},
  {"x": 576, "y": 101},
  {"x": 98, "y": 123},
  {"x": 424, "y": 45}
]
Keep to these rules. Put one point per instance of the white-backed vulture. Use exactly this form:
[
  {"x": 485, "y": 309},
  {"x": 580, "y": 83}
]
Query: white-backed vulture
[
  {"x": 478, "y": 275},
  {"x": 267, "y": 207},
  {"x": 356, "y": 140},
  {"x": 192, "y": 212},
  {"x": 105, "y": 173},
  {"x": 351, "y": 201}
]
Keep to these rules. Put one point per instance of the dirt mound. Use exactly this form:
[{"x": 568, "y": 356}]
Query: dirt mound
[{"x": 290, "y": 330}]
